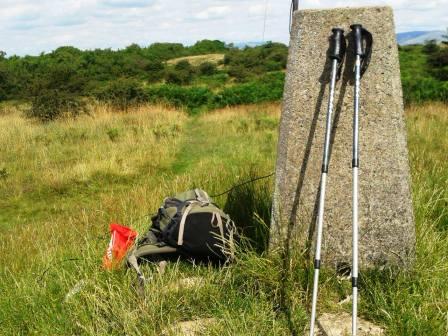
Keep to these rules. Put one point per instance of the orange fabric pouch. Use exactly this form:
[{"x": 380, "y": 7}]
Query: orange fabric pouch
[{"x": 122, "y": 239}]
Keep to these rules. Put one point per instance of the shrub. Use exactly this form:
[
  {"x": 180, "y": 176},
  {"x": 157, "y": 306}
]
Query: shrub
[
  {"x": 424, "y": 89},
  {"x": 56, "y": 94},
  {"x": 181, "y": 74},
  {"x": 239, "y": 72},
  {"x": 2, "y": 94},
  {"x": 439, "y": 64},
  {"x": 156, "y": 70},
  {"x": 207, "y": 47},
  {"x": 430, "y": 47},
  {"x": 4, "y": 83},
  {"x": 52, "y": 104},
  {"x": 122, "y": 93},
  {"x": 207, "y": 69},
  {"x": 255, "y": 61},
  {"x": 191, "y": 98},
  {"x": 178, "y": 77},
  {"x": 267, "y": 88},
  {"x": 183, "y": 65}
]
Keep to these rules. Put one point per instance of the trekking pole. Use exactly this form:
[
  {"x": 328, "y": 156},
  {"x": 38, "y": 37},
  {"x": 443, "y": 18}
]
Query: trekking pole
[
  {"x": 336, "y": 54},
  {"x": 363, "y": 48},
  {"x": 295, "y": 5}
]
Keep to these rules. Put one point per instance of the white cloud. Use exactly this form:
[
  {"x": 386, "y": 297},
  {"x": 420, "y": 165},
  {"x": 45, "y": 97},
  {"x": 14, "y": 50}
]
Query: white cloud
[
  {"x": 34, "y": 26},
  {"x": 258, "y": 9},
  {"x": 216, "y": 12},
  {"x": 127, "y": 3}
]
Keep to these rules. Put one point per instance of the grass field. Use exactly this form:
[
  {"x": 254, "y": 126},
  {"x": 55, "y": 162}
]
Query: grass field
[{"x": 62, "y": 183}]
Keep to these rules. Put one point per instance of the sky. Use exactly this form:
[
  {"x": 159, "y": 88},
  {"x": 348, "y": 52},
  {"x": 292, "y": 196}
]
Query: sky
[{"x": 35, "y": 26}]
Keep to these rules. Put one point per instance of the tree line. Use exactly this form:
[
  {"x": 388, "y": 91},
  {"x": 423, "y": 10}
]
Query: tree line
[{"x": 64, "y": 80}]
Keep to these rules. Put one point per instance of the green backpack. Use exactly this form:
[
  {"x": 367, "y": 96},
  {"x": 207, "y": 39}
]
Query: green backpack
[{"x": 188, "y": 224}]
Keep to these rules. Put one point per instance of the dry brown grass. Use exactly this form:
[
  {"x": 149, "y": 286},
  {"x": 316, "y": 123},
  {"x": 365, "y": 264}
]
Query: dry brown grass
[
  {"x": 427, "y": 128},
  {"x": 73, "y": 150},
  {"x": 197, "y": 60},
  {"x": 272, "y": 109}
]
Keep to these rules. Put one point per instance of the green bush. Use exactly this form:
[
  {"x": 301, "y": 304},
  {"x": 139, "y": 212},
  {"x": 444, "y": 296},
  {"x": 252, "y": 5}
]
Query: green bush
[
  {"x": 207, "y": 47},
  {"x": 424, "y": 89},
  {"x": 267, "y": 88},
  {"x": 56, "y": 93},
  {"x": 213, "y": 82},
  {"x": 122, "y": 93},
  {"x": 439, "y": 63},
  {"x": 182, "y": 73},
  {"x": 178, "y": 77},
  {"x": 52, "y": 104},
  {"x": 183, "y": 65},
  {"x": 156, "y": 71},
  {"x": 251, "y": 62},
  {"x": 190, "y": 98},
  {"x": 4, "y": 83},
  {"x": 430, "y": 47},
  {"x": 207, "y": 69},
  {"x": 239, "y": 72},
  {"x": 424, "y": 73}
]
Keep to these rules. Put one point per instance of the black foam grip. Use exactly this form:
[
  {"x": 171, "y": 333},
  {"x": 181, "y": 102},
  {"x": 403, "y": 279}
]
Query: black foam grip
[
  {"x": 295, "y": 5},
  {"x": 337, "y": 44},
  {"x": 357, "y": 36}
]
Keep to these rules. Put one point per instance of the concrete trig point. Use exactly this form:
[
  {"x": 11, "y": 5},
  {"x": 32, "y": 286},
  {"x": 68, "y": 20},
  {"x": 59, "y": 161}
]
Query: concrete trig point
[{"x": 387, "y": 230}]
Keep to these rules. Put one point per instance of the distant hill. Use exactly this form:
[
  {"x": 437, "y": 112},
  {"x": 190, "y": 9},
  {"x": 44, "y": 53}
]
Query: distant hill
[
  {"x": 406, "y": 38},
  {"x": 419, "y": 37},
  {"x": 251, "y": 44}
]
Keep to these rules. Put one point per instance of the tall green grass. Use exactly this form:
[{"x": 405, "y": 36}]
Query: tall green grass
[{"x": 67, "y": 180}]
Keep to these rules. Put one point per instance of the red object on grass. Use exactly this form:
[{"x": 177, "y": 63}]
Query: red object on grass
[{"x": 122, "y": 238}]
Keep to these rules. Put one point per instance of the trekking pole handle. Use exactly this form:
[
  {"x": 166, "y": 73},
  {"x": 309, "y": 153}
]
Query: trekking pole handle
[
  {"x": 357, "y": 33},
  {"x": 363, "y": 45},
  {"x": 295, "y": 5},
  {"x": 337, "y": 45}
]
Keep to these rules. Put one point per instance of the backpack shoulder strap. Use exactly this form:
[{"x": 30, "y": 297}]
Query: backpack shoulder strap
[
  {"x": 202, "y": 196},
  {"x": 202, "y": 199},
  {"x": 180, "y": 238}
]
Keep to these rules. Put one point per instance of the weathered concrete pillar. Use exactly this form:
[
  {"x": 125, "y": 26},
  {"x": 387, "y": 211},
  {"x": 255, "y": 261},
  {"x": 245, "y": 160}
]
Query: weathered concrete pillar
[{"x": 387, "y": 232}]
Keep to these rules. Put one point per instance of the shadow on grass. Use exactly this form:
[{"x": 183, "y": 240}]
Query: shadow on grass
[{"x": 249, "y": 206}]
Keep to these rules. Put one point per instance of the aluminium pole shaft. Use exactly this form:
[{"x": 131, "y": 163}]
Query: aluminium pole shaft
[
  {"x": 363, "y": 42},
  {"x": 336, "y": 55},
  {"x": 323, "y": 184},
  {"x": 355, "y": 165}
]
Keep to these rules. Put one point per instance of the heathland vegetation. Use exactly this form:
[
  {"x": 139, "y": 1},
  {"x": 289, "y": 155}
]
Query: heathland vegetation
[
  {"x": 64, "y": 79},
  {"x": 67, "y": 79}
]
